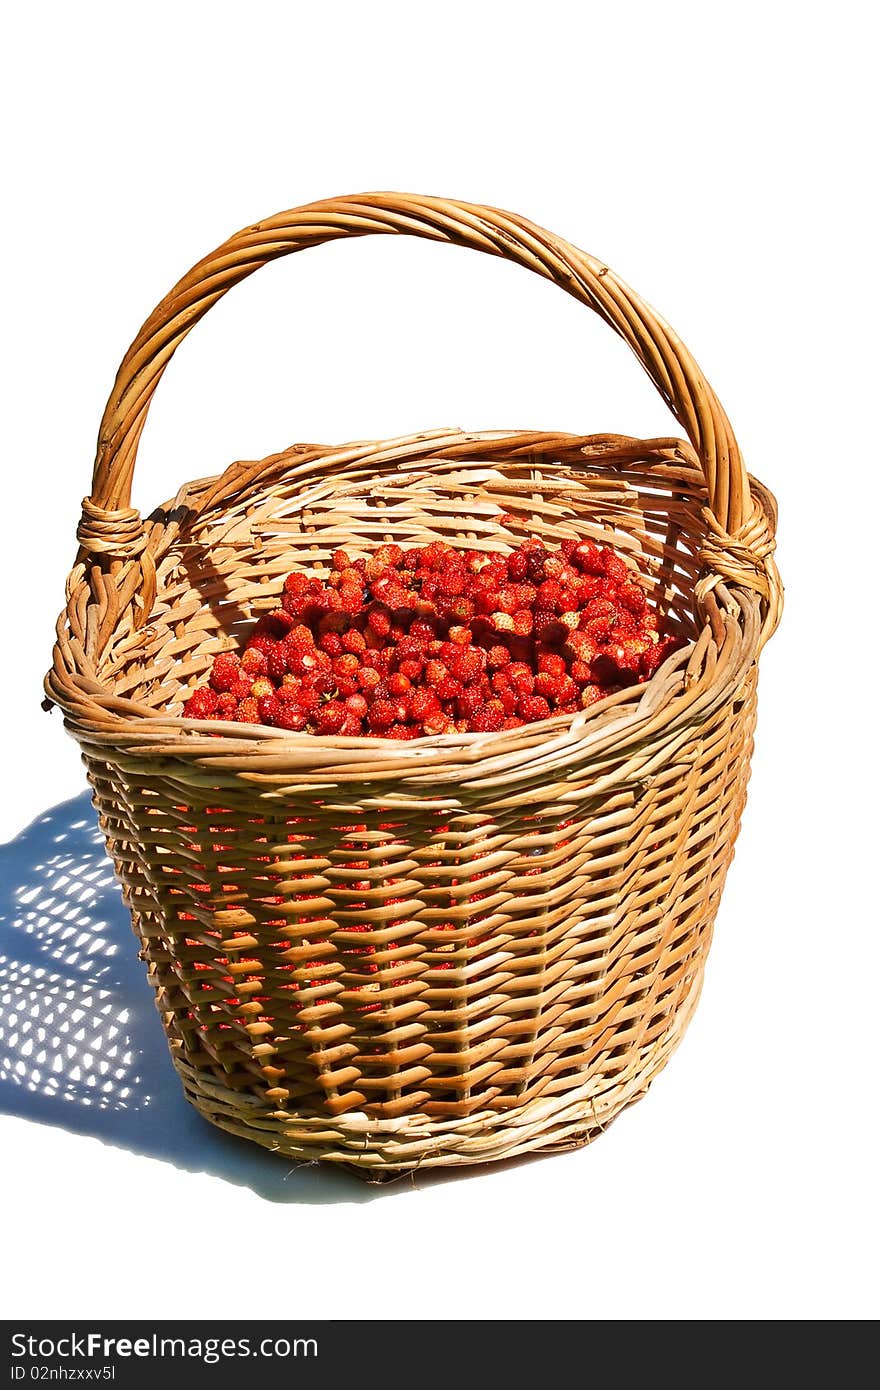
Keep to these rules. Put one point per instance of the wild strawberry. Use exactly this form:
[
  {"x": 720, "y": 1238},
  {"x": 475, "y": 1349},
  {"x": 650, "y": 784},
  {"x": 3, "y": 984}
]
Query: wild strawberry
[
  {"x": 356, "y": 706},
  {"x": 599, "y": 629},
  {"x": 254, "y": 662},
  {"x": 470, "y": 702},
  {"x": 497, "y": 657},
  {"x": 448, "y": 688},
  {"x": 330, "y": 718},
  {"x": 435, "y": 672},
  {"x": 437, "y": 723},
  {"x": 331, "y": 643},
  {"x": 517, "y": 566},
  {"x": 412, "y": 668},
  {"x": 277, "y": 663},
  {"x": 590, "y": 694},
  {"x": 299, "y": 639},
  {"x": 502, "y": 622},
  {"x": 536, "y": 560},
  {"x": 380, "y": 714},
  {"x": 581, "y": 672},
  {"x": 262, "y": 686},
  {"x": 201, "y": 704},
  {"x": 512, "y": 722},
  {"x": 353, "y": 641},
  {"x": 551, "y": 664},
  {"x": 522, "y": 622},
  {"x": 351, "y": 592},
  {"x": 226, "y": 703},
  {"x": 346, "y": 665},
  {"x": 467, "y": 665},
  {"x": 224, "y": 672},
  {"x": 389, "y": 555},
  {"x": 582, "y": 645},
  {"x": 340, "y": 560},
  {"x": 614, "y": 567},
  {"x": 533, "y": 707},
  {"x": 421, "y": 632},
  {"x": 632, "y": 598},
  {"x": 586, "y": 557},
  {"x": 546, "y": 685},
  {"x": 291, "y": 718},
  {"x": 605, "y": 670},
  {"x": 368, "y": 678},
  {"x": 625, "y": 626},
  {"x": 509, "y": 700},
  {"x": 248, "y": 711},
  {"x": 521, "y": 678},
  {"x": 296, "y": 583},
  {"x": 423, "y": 703},
  {"x": 507, "y": 599},
  {"x": 398, "y": 684},
  {"x": 490, "y": 718},
  {"x": 379, "y": 621},
  {"x": 547, "y": 626},
  {"x": 434, "y": 555},
  {"x": 241, "y": 687},
  {"x": 309, "y": 697},
  {"x": 351, "y": 727},
  {"x": 269, "y": 707}
]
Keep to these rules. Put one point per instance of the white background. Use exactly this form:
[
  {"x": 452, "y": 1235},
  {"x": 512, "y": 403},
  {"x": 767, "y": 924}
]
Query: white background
[{"x": 720, "y": 158}]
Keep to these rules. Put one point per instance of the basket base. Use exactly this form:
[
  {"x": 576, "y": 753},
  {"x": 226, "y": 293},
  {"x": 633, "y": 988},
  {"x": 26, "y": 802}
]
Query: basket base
[{"x": 378, "y": 1150}]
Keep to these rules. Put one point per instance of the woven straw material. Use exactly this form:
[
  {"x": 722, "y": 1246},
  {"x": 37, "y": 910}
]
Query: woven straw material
[{"x": 456, "y": 949}]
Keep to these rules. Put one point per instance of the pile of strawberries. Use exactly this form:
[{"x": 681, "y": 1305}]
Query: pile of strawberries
[{"x": 431, "y": 640}]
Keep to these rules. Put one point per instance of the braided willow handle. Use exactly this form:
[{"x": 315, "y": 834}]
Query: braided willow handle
[{"x": 663, "y": 356}]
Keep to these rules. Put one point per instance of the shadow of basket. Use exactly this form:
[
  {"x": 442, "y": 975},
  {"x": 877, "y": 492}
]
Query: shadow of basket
[{"x": 81, "y": 1044}]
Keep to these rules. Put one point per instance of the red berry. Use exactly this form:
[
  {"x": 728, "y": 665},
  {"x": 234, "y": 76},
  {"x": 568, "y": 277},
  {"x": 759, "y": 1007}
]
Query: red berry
[
  {"x": 632, "y": 598},
  {"x": 614, "y": 567},
  {"x": 423, "y": 704},
  {"x": 269, "y": 707},
  {"x": 517, "y": 566},
  {"x": 345, "y": 666},
  {"x": 490, "y": 718},
  {"x": 225, "y": 671},
  {"x": 248, "y": 711},
  {"x": 254, "y": 662},
  {"x": 331, "y": 643},
  {"x": 551, "y": 663},
  {"x": 201, "y": 704},
  {"x": 586, "y": 557},
  {"x": 330, "y": 718},
  {"x": 291, "y": 718},
  {"x": 381, "y": 714},
  {"x": 533, "y": 708},
  {"x": 497, "y": 657}
]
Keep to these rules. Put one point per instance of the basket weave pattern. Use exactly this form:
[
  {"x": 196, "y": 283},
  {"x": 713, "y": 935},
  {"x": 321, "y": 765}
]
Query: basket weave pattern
[{"x": 457, "y": 949}]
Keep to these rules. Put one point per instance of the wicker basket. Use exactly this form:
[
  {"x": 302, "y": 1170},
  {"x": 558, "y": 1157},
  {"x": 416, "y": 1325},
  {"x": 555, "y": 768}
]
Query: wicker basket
[{"x": 539, "y": 902}]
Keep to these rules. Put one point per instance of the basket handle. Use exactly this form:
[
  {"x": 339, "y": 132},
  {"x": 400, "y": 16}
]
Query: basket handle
[{"x": 111, "y": 526}]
